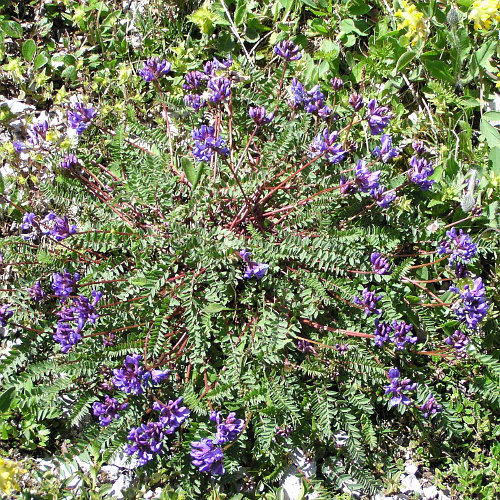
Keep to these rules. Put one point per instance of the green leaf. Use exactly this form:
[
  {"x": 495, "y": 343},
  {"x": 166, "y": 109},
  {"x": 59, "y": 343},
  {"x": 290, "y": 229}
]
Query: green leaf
[
  {"x": 40, "y": 60},
  {"x": 492, "y": 116},
  {"x": 404, "y": 60},
  {"x": 29, "y": 49},
  {"x": 12, "y": 29},
  {"x": 69, "y": 72},
  {"x": 213, "y": 307},
  {"x": 6, "y": 398},
  {"x": 495, "y": 160},
  {"x": 240, "y": 13},
  {"x": 490, "y": 133},
  {"x": 193, "y": 175},
  {"x": 2, "y": 184}
]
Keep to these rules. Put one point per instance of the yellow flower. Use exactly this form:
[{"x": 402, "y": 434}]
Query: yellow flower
[
  {"x": 498, "y": 83},
  {"x": 8, "y": 472},
  {"x": 484, "y": 12},
  {"x": 413, "y": 19}
]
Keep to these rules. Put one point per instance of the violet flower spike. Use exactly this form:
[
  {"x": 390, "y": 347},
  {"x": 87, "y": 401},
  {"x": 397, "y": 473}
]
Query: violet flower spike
[
  {"x": 288, "y": 51},
  {"x": 378, "y": 117},
  {"x": 368, "y": 301},
  {"x": 154, "y": 69},
  {"x": 5, "y": 314},
  {"x": 385, "y": 151},
  {"x": 260, "y": 116},
  {"x": 147, "y": 441},
  {"x": 81, "y": 117},
  {"x": 366, "y": 180},
  {"x": 431, "y": 406},
  {"x": 207, "y": 457},
  {"x": 172, "y": 414},
  {"x": 398, "y": 388},
  {"x": 380, "y": 264},
  {"x": 108, "y": 411}
]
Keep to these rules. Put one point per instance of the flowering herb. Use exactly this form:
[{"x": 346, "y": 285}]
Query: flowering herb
[
  {"x": 385, "y": 151},
  {"x": 133, "y": 378},
  {"x": 459, "y": 341},
  {"x": 288, "y": 51},
  {"x": 458, "y": 245},
  {"x": 5, "y": 314},
  {"x": 472, "y": 306},
  {"x": 207, "y": 457},
  {"x": 154, "y": 68},
  {"x": 306, "y": 347},
  {"x": 326, "y": 142},
  {"x": 37, "y": 132},
  {"x": 260, "y": 116},
  {"x": 81, "y": 117},
  {"x": 420, "y": 171},
  {"x": 206, "y": 144},
  {"x": 147, "y": 441},
  {"x": 368, "y": 302},
  {"x": 108, "y": 411},
  {"x": 36, "y": 291},
  {"x": 68, "y": 162},
  {"x": 64, "y": 284},
  {"x": 378, "y": 117},
  {"x": 380, "y": 265},
  {"x": 398, "y": 388},
  {"x": 253, "y": 269},
  {"x": 227, "y": 429},
  {"x": 172, "y": 414},
  {"x": 431, "y": 406}
]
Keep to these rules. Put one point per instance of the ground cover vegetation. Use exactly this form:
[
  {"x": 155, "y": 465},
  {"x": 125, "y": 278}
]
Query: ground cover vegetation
[{"x": 232, "y": 229}]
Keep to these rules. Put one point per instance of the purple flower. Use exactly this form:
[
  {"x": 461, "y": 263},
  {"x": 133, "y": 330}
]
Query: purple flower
[
  {"x": 431, "y": 406},
  {"x": 193, "y": 80},
  {"x": 342, "y": 348},
  {"x": 459, "y": 342},
  {"x": 220, "y": 87},
  {"x": 283, "y": 432},
  {"x": 398, "y": 387},
  {"x": 378, "y": 117},
  {"x": 36, "y": 291},
  {"x": 253, "y": 268},
  {"x": 400, "y": 334},
  {"x": 356, "y": 101},
  {"x": 64, "y": 284},
  {"x": 473, "y": 306},
  {"x": 154, "y": 69},
  {"x": 28, "y": 219},
  {"x": 369, "y": 302},
  {"x": 37, "y": 132},
  {"x": 206, "y": 144},
  {"x": 245, "y": 255},
  {"x": 81, "y": 117},
  {"x": 288, "y": 50},
  {"x": 337, "y": 83},
  {"x": 66, "y": 336},
  {"x": 147, "y": 440},
  {"x": 382, "y": 331},
  {"x": 366, "y": 180},
  {"x": 69, "y": 162},
  {"x": 82, "y": 310},
  {"x": 380, "y": 265},
  {"x": 418, "y": 147},
  {"x": 194, "y": 101},
  {"x": 207, "y": 457},
  {"x": 326, "y": 143},
  {"x": 129, "y": 378},
  {"x": 461, "y": 270},
  {"x": 306, "y": 347},
  {"x": 385, "y": 151},
  {"x": 459, "y": 245},
  {"x": 172, "y": 414},
  {"x": 347, "y": 186},
  {"x": 421, "y": 169},
  {"x": 19, "y": 146},
  {"x": 57, "y": 227},
  {"x": 260, "y": 116},
  {"x": 5, "y": 314},
  {"x": 108, "y": 410},
  {"x": 382, "y": 197},
  {"x": 228, "y": 429},
  {"x": 298, "y": 93},
  {"x": 211, "y": 67}
]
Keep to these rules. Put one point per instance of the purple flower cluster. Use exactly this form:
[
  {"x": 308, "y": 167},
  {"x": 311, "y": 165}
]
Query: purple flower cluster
[
  {"x": 378, "y": 117},
  {"x": 206, "y": 144},
  {"x": 365, "y": 180},
  {"x": 63, "y": 284},
  {"x": 228, "y": 429},
  {"x": 398, "y": 388},
  {"x": 337, "y": 83},
  {"x": 133, "y": 378},
  {"x": 472, "y": 307},
  {"x": 207, "y": 454},
  {"x": 420, "y": 170},
  {"x": 218, "y": 87},
  {"x": 154, "y": 68},
  {"x": 36, "y": 292},
  {"x": 68, "y": 162},
  {"x": 459, "y": 245},
  {"x": 397, "y": 332},
  {"x": 253, "y": 269},
  {"x": 312, "y": 100},
  {"x": 369, "y": 302},
  {"x": 459, "y": 341},
  {"x": 81, "y": 117},
  {"x": 108, "y": 410},
  {"x": 81, "y": 312},
  {"x": 380, "y": 264},
  {"x": 382, "y": 197},
  {"x": 306, "y": 347},
  {"x": 5, "y": 314},
  {"x": 37, "y": 132},
  {"x": 288, "y": 50},
  {"x": 325, "y": 143},
  {"x": 260, "y": 116},
  {"x": 431, "y": 406},
  {"x": 172, "y": 414},
  {"x": 385, "y": 151},
  {"x": 57, "y": 227},
  {"x": 356, "y": 101},
  {"x": 147, "y": 440}
]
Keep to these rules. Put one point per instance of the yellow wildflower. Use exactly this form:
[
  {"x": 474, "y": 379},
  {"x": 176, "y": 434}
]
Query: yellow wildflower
[
  {"x": 484, "y": 12},
  {"x": 8, "y": 472},
  {"x": 498, "y": 83},
  {"x": 413, "y": 19}
]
